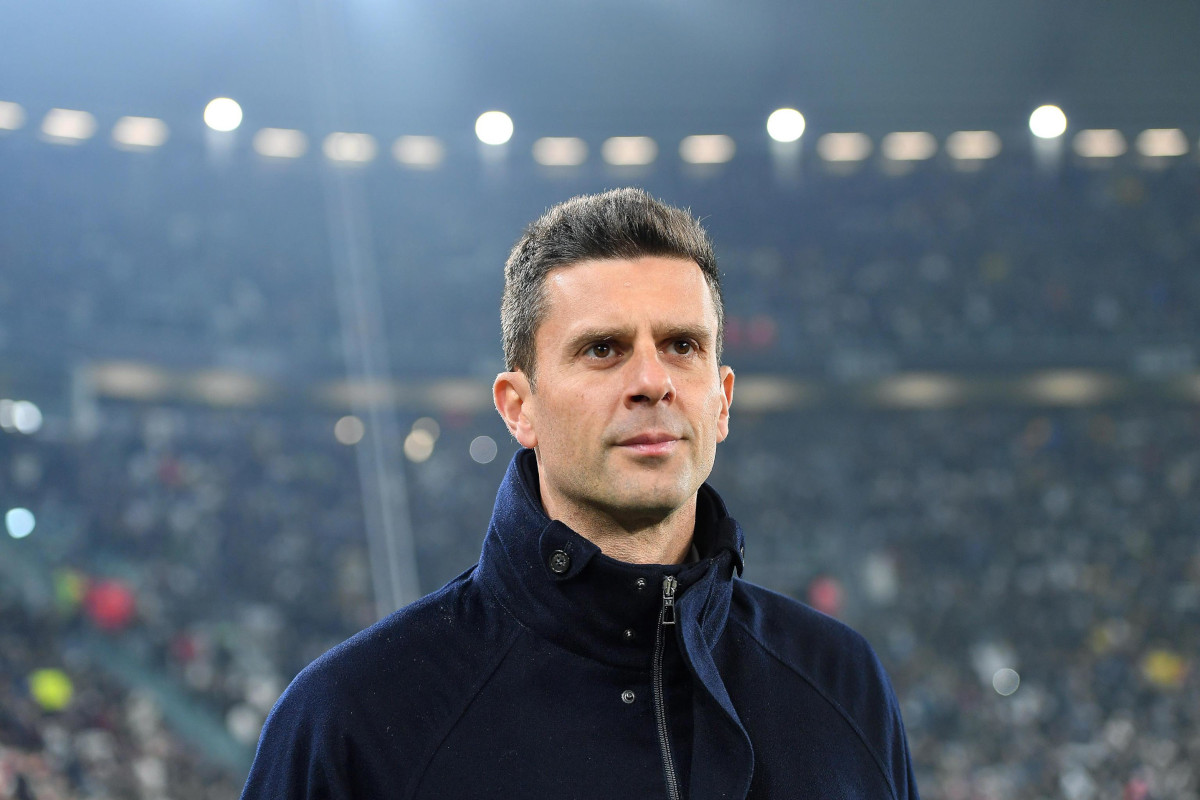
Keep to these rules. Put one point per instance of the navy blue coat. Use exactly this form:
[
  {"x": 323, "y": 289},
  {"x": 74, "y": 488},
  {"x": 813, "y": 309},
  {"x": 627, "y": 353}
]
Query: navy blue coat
[{"x": 550, "y": 670}]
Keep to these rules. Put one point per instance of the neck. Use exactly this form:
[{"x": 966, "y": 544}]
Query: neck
[{"x": 634, "y": 539}]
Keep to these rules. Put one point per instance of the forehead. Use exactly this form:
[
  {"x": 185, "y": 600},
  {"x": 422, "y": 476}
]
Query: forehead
[{"x": 650, "y": 288}]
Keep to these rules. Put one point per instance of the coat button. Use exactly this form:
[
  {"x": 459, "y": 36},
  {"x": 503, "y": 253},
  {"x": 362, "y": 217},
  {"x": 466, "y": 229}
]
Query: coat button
[
  {"x": 628, "y": 696},
  {"x": 628, "y": 634},
  {"x": 560, "y": 562}
]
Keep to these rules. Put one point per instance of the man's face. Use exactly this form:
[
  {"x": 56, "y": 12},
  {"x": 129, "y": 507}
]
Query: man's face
[{"x": 630, "y": 401}]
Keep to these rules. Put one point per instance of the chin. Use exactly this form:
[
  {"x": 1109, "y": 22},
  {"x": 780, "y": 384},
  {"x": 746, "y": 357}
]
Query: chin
[{"x": 656, "y": 504}]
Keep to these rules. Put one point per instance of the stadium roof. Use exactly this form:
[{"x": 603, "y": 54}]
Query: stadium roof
[{"x": 600, "y": 68}]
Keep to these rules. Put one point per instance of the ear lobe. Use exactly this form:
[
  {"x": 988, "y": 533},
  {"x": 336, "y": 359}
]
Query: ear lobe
[
  {"x": 512, "y": 396},
  {"x": 726, "y": 376}
]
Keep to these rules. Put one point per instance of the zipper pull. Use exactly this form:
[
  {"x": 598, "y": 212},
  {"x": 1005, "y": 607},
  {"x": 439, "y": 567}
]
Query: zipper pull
[{"x": 668, "y": 609}]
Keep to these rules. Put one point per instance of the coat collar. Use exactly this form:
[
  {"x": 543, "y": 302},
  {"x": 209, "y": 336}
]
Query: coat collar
[{"x": 592, "y": 604}]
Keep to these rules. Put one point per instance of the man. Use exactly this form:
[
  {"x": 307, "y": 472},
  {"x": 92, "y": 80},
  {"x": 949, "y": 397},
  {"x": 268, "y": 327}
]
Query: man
[{"x": 602, "y": 647}]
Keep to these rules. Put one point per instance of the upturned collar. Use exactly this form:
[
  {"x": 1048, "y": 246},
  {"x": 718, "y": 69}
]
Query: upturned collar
[{"x": 559, "y": 584}]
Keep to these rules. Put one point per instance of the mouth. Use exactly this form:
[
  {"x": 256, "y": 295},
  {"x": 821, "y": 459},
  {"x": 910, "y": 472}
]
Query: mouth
[{"x": 650, "y": 444}]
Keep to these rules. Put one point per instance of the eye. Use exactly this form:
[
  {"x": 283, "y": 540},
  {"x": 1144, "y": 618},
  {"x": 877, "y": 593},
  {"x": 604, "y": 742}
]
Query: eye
[
  {"x": 684, "y": 347},
  {"x": 599, "y": 350}
]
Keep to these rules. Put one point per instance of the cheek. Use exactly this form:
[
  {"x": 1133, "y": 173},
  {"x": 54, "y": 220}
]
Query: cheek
[{"x": 564, "y": 418}]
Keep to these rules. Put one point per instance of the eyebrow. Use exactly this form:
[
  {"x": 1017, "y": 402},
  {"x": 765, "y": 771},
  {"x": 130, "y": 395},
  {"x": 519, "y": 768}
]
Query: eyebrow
[{"x": 701, "y": 335}]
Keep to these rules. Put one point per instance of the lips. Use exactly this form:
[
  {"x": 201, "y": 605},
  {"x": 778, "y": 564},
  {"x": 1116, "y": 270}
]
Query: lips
[{"x": 650, "y": 444}]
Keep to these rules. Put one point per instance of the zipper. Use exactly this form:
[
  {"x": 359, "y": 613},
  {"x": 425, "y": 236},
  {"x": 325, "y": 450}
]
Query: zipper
[{"x": 666, "y": 617}]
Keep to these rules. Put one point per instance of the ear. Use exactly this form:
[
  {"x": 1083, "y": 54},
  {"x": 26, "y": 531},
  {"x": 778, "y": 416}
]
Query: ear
[
  {"x": 512, "y": 396},
  {"x": 726, "y": 376}
]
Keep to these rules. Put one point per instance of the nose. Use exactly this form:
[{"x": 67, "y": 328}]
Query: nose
[{"x": 649, "y": 379}]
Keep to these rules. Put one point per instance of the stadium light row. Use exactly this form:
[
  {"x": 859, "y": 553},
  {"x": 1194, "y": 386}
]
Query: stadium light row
[{"x": 495, "y": 128}]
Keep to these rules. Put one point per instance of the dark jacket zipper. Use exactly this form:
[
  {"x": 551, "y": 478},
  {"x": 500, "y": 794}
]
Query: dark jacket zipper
[{"x": 666, "y": 616}]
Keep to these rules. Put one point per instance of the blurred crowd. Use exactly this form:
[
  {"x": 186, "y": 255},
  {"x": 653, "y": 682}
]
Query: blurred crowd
[
  {"x": 67, "y": 730},
  {"x": 191, "y": 263},
  {"x": 1031, "y": 579}
]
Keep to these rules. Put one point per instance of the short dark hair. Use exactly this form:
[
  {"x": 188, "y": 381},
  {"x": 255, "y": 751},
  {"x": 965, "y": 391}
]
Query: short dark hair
[{"x": 617, "y": 224}]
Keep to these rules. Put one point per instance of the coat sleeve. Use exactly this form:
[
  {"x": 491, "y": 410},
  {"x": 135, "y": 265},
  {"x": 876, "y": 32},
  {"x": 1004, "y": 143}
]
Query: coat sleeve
[{"x": 303, "y": 751}]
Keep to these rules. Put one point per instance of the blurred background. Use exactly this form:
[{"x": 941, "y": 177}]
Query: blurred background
[{"x": 250, "y": 266}]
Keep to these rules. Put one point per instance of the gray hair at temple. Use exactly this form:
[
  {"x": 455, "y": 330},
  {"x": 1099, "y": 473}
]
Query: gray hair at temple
[{"x": 617, "y": 224}]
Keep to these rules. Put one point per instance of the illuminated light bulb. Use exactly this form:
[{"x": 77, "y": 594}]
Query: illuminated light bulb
[
  {"x": 785, "y": 125},
  {"x": 629, "y": 151},
  {"x": 12, "y": 116},
  {"x": 560, "y": 151},
  {"x": 1162, "y": 143},
  {"x": 1048, "y": 122},
  {"x": 709, "y": 149},
  {"x": 908, "y": 146},
  {"x": 421, "y": 152},
  {"x": 67, "y": 126},
  {"x": 139, "y": 133},
  {"x": 223, "y": 114},
  {"x": 350, "y": 148},
  {"x": 494, "y": 127},
  {"x": 844, "y": 146},
  {"x": 280, "y": 143},
  {"x": 1099, "y": 143},
  {"x": 972, "y": 145}
]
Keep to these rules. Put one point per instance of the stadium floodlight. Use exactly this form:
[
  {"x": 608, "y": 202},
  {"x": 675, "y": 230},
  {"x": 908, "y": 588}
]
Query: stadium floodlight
[
  {"x": 223, "y": 114},
  {"x": 973, "y": 145},
  {"x": 844, "y": 146},
  {"x": 67, "y": 126},
  {"x": 419, "y": 152},
  {"x": 1048, "y": 122},
  {"x": 350, "y": 148},
  {"x": 1162, "y": 143},
  {"x": 139, "y": 133},
  {"x": 280, "y": 143},
  {"x": 785, "y": 125},
  {"x": 629, "y": 151},
  {"x": 494, "y": 127},
  {"x": 560, "y": 151},
  {"x": 707, "y": 149},
  {"x": 1099, "y": 143},
  {"x": 908, "y": 146},
  {"x": 12, "y": 116}
]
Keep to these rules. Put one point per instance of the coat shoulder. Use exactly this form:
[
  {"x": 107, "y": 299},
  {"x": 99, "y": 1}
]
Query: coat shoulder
[
  {"x": 379, "y": 702},
  {"x": 805, "y": 639},
  {"x": 837, "y": 664}
]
